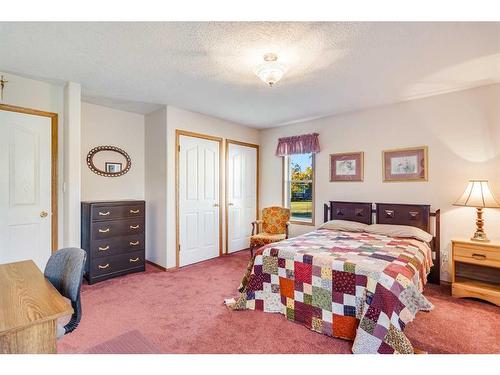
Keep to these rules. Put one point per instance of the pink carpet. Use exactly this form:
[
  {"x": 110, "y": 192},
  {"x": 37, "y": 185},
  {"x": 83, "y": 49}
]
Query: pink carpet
[
  {"x": 182, "y": 311},
  {"x": 132, "y": 342}
]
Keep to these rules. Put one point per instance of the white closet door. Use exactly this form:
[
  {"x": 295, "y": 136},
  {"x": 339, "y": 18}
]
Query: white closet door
[
  {"x": 199, "y": 213},
  {"x": 25, "y": 188},
  {"x": 241, "y": 195}
]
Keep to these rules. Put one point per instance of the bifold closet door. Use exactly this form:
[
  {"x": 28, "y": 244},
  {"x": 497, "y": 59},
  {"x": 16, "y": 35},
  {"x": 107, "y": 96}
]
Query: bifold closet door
[
  {"x": 25, "y": 188},
  {"x": 241, "y": 195},
  {"x": 199, "y": 193}
]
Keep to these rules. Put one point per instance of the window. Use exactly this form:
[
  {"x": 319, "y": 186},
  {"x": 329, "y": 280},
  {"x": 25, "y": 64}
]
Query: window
[{"x": 298, "y": 194}]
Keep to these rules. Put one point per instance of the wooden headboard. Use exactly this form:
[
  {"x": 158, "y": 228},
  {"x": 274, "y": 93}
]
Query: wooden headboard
[
  {"x": 352, "y": 211},
  {"x": 416, "y": 215}
]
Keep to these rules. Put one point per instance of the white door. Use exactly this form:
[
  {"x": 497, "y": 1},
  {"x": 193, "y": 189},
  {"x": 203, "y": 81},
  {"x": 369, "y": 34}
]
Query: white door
[
  {"x": 199, "y": 187},
  {"x": 241, "y": 195},
  {"x": 25, "y": 188}
]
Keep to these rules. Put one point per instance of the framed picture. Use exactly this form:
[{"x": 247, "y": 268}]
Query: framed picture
[
  {"x": 347, "y": 166},
  {"x": 113, "y": 167},
  {"x": 405, "y": 164}
]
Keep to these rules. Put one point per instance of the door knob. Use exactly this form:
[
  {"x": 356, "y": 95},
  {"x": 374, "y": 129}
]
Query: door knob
[
  {"x": 216, "y": 204},
  {"x": 44, "y": 214},
  {"x": 230, "y": 204}
]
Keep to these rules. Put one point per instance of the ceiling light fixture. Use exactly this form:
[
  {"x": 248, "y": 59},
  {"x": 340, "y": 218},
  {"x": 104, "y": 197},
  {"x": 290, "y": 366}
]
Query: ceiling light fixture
[{"x": 270, "y": 71}]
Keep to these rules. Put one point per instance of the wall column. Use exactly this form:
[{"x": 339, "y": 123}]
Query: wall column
[{"x": 72, "y": 168}]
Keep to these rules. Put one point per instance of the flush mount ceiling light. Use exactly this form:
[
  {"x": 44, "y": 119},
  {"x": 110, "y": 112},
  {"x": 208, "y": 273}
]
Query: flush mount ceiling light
[{"x": 270, "y": 71}]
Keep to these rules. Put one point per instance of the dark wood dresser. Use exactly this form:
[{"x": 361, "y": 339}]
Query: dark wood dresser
[{"x": 113, "y": 237}]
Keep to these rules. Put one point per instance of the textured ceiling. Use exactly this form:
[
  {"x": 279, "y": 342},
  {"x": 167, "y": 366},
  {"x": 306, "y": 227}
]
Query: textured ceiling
[{"x": 208, "y": 67}]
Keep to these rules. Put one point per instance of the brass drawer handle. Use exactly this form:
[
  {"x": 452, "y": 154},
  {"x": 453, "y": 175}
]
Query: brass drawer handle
[
  {"x": 103, "y": 213},
  {"x": 134, "y": 243},
  {"x": 104, "y": 267},
  {"x": 134, "y": 226},
  {"x": 479, "y": 256},
  {"x": 134, "y": 211},
  {"x": 103, "y": 248},
  {"x": 104, "y": 230},
  {"x": 134, "y": 260}
]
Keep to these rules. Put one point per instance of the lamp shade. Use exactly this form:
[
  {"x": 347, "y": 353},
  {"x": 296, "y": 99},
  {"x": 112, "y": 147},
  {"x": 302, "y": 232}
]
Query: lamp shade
[{"x": 477, "y": 194}]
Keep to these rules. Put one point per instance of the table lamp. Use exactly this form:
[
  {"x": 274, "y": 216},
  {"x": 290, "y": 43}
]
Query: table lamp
[{"x": 478, "y": 194}]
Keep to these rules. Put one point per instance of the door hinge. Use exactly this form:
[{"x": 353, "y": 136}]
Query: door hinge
[
  {"x": 179, "y": 247},
  {"x": 179, "y": 148}
]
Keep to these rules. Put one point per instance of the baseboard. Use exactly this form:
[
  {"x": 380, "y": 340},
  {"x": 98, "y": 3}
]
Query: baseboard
[
  {"x": 156, "y": 265},
  {"x": 237, "y": 251}
]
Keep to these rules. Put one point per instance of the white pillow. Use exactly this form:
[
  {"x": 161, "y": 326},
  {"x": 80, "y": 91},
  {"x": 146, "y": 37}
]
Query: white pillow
[
  {"x": 344, "y": 225},
  {"x": 405, "y": 231}
]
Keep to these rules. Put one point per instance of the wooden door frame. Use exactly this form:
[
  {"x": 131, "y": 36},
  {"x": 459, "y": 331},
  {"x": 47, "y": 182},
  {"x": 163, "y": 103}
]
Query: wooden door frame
[
  {"x": 54, "y": 162},
  {"x": 226, "y": 177},
  {"x": 178, "y": 134}
]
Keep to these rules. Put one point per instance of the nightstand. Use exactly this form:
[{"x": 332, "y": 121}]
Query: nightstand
[{"x": 476, "y": 270}]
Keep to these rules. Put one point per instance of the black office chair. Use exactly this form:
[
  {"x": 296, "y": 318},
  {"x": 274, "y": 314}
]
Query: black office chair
[{"x": 64, "y": 270}]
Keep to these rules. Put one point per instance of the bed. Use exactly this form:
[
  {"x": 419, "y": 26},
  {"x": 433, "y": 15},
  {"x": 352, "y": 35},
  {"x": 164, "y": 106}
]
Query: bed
[{"x": 353, "y": 285}]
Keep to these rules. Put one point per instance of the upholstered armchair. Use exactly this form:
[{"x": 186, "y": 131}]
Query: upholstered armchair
[{"x": 274, "y": 227}]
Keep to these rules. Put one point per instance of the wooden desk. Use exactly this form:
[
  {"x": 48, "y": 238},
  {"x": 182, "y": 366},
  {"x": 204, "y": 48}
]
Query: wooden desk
[{"x": 29, "y": 308}]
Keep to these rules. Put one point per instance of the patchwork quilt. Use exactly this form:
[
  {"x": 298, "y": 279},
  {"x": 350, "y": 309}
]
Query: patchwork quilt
[{"x": 357, "y": 286}]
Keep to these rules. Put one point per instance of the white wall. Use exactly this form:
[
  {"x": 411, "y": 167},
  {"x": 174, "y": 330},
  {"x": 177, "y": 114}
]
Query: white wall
[
  {"x": 105, "y": 126},
  {"x": 30, "y": 93},
  {"x": 156, "y": 186},
  {"x": 198, "y": 123},
  {"x": 461, "y": 129}
]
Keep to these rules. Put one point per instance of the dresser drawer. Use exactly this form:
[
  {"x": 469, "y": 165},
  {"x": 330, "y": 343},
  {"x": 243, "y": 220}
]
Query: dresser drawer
[
  {"x": 117, "y": 245},
  {"x": 107, "y": 229},
  {"x": 116, "y": 263},
  {"x": 100, "y": 213},
  {"x": 476, "y": 255}
]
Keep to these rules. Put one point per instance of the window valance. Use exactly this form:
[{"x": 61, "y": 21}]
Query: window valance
[{"x": 298, "y": 144}]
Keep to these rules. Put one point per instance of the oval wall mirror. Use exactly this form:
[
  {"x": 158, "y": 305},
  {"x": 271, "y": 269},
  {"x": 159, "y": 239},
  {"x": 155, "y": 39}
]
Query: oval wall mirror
[{"x": 108, "y": 161}]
